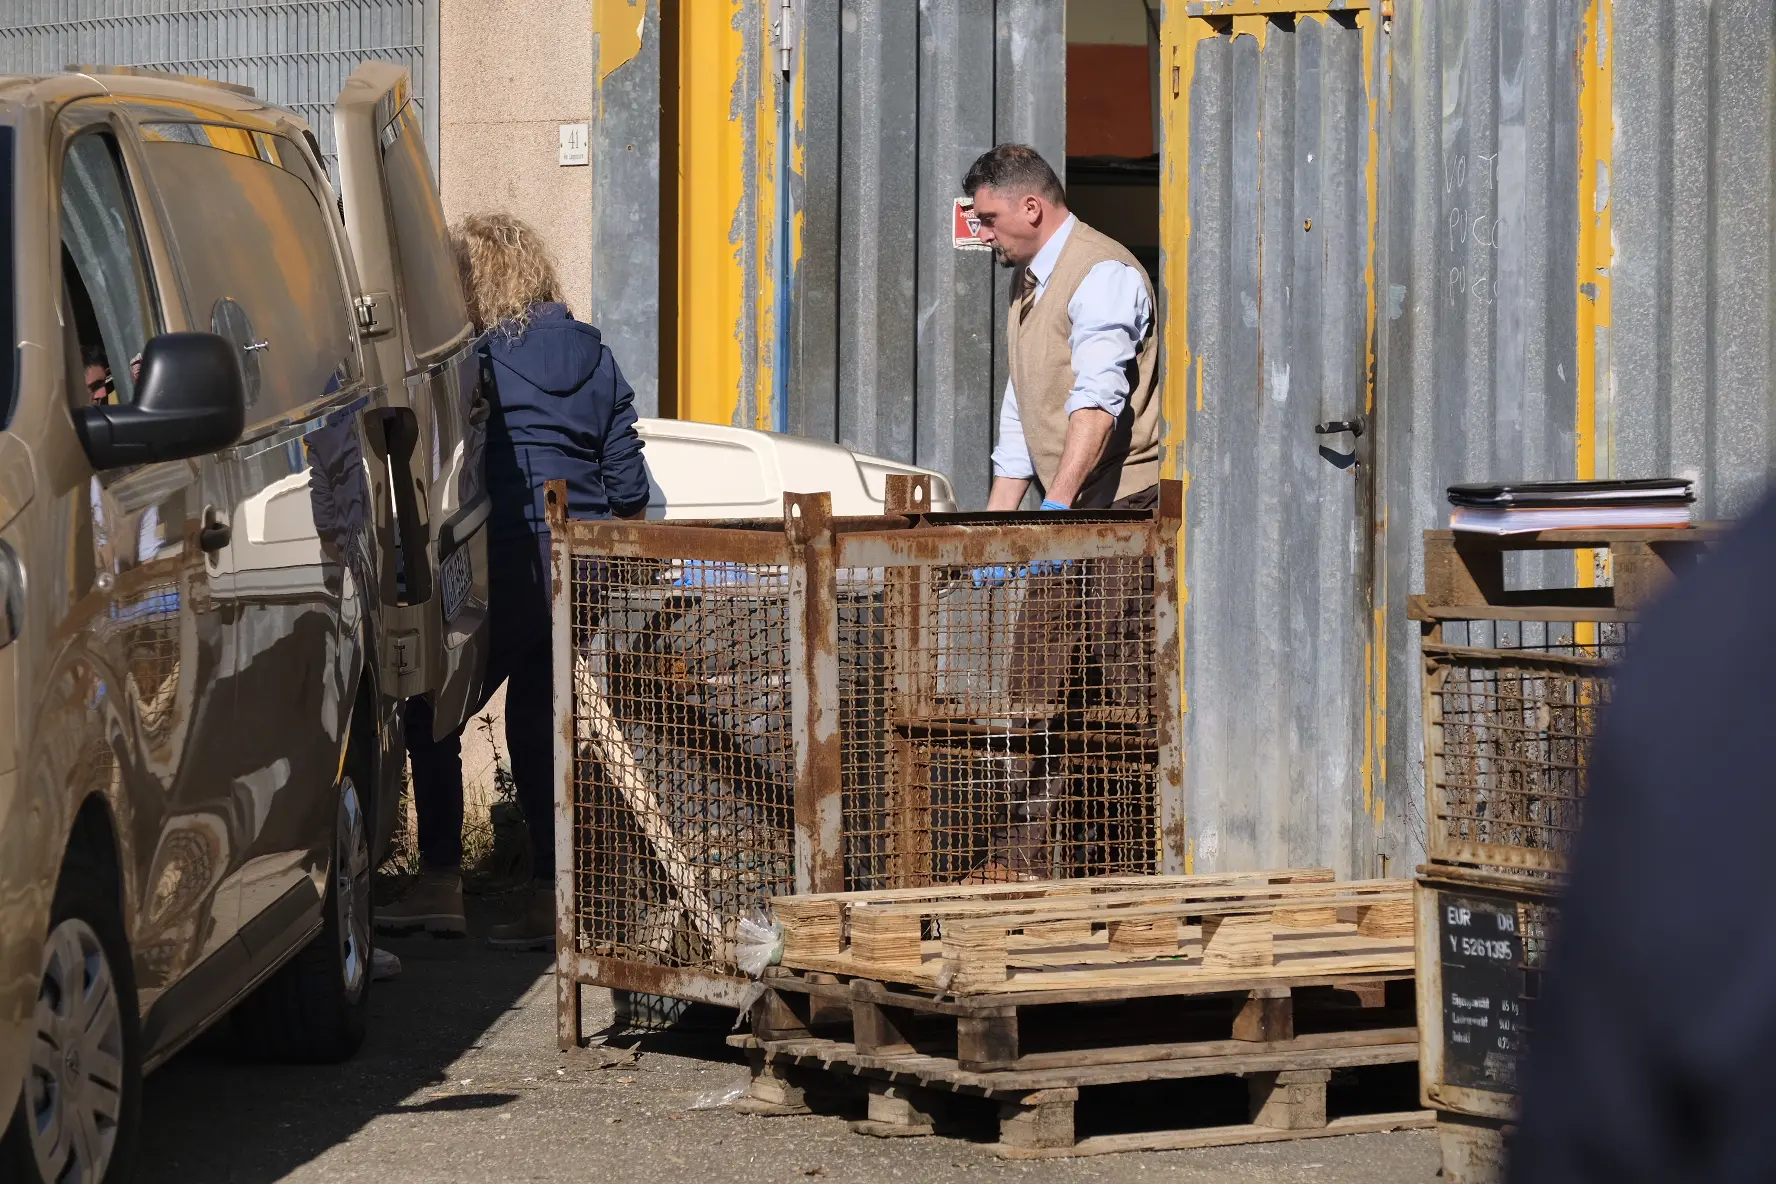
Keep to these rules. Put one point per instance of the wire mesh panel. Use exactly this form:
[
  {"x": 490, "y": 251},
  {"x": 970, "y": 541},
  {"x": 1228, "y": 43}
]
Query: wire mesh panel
[
  {"x": 1508, "y": 742},
  {"x": 998, "y": 721},
  {"x": 683, "y": 775}
]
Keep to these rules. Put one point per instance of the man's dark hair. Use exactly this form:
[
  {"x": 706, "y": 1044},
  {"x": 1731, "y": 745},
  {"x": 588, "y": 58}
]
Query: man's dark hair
[{"x": 1015, "y": 169}]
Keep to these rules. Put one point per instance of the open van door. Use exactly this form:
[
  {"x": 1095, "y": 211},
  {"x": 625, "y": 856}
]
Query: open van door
[{"x": 414, "y": 320}]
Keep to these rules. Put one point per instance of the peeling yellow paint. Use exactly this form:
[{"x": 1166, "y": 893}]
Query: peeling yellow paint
[
  {"x": 1179, "y": 37},
  {"x": 763, "y": 228},
  {"x": 1596, "y": 255},
  {"x": 727, "y": 192},
  {"x": 617, "y": 26}
]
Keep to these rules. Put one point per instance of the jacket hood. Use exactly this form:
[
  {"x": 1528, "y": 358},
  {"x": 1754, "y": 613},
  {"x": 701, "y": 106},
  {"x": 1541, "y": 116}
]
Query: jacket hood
[{"x": 556, "y": 354}]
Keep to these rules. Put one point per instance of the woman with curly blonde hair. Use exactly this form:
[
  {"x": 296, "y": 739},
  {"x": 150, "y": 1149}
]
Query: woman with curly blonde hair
[{"x": 560, "y": 411}]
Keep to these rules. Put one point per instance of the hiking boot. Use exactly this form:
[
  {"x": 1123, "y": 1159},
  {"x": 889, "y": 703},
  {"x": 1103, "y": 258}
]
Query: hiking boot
[
  {"x": 535, "y": 927},
  {"x": 433, "y": 903}
]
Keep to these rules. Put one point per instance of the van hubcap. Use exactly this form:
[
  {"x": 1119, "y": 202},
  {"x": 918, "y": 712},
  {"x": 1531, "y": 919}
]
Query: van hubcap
[
  {"x": 351, "y": 888},
  {"x": 74, "y": 1092}
]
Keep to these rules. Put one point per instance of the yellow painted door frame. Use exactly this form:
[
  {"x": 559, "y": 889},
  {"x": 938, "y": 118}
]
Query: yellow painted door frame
[
  {"x": 728, "y": 252},
  {"x": 1594, "y": 431}
]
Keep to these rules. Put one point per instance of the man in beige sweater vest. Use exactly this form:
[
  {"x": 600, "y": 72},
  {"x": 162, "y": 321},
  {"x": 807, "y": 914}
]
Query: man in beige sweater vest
[
  {"x": 1081, "y": 412},
  {"x": 1081, "y": 417}
]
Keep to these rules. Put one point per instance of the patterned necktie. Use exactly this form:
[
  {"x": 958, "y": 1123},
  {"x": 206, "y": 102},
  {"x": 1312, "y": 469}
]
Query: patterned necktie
[{"x": 1026, "y": 294}]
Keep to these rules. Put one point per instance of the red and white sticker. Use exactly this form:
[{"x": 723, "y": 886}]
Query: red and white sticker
[{"x": 968, "y": 227}]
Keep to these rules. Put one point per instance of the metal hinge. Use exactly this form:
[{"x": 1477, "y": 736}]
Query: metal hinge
[
  {"x": 403, "y": 670},
  {"x": 371, "y": 309},
  {"x": 785, "y": 30}
]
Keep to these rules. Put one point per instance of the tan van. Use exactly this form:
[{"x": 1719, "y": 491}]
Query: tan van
[{"x": 240, "y": 520}]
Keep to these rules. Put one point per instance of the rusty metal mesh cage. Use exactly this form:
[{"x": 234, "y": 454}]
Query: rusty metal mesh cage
[
  {"x": 683, "y": 762},
  {"x": 854, "y": 704},
  {"x": 1509, "y": 737},
  {"x": 997, "y": 722}
]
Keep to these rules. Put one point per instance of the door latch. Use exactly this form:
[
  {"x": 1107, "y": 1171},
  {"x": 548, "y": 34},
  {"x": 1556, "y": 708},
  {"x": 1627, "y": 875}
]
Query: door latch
[{"x": 1333, "y": 427}]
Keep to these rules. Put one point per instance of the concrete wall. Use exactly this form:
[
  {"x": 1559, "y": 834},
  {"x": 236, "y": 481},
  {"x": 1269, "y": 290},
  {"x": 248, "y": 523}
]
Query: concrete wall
[{"x": 510, "y": 73}]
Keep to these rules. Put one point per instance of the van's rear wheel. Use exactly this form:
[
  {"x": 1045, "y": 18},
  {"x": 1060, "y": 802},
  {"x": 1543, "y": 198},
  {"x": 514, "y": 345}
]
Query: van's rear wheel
[
  {"x": 78, "y": 1110},
  {"x": 316, "y": 1007}
]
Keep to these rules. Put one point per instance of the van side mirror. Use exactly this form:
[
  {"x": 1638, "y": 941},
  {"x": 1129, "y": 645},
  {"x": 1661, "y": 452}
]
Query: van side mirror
[{"x": 190, "y": 400}]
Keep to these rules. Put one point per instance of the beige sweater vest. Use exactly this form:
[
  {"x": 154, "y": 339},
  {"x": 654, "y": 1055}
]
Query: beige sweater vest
[{"x": 1041, "y": 356}]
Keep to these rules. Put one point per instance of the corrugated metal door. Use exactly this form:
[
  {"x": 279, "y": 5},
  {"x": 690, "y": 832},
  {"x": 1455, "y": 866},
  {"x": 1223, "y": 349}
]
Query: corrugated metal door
[
  {"x": 293, "y": 53},
  {"x": 1269, "y": 206}
]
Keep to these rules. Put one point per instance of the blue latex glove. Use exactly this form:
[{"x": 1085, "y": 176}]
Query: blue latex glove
[{"x": 993, "y": 577}]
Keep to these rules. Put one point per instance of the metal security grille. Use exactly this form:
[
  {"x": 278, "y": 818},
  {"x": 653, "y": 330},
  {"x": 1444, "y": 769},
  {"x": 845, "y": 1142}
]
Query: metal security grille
[
  {"x": 1509, "y": 742},
  {"x": 293, "y": 53},
  {"x": 753, "y": 709}
]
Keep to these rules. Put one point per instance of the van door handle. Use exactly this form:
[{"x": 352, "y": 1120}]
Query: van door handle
[{"x": 215, "y": 533}]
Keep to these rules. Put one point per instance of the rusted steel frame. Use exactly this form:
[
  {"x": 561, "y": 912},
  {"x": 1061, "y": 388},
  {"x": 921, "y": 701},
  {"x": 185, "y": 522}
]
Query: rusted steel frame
[
  {"x": 568, "y": 1028},
  {"x": 660, "y": 540},
  {"x": 673, "y": 981},
  {"x": 911, "y": 691},
  {"x": 1168, "y": 691},
  {"x": 970, "y": 546},
  {"x": 814, "y": 692},
  {"x": 907, "y": 493}
]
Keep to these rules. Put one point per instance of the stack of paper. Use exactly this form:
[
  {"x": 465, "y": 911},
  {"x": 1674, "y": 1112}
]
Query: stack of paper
[{"x": 1571, "y": 505}]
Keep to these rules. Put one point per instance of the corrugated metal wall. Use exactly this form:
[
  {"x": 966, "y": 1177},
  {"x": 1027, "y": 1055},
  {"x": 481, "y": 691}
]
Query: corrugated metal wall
[
  {"x": 627, "y": 197},
  {"x": 894, "y": 333},
  {"x": 1572, "y": 274},
  {"x": 1690, "y": 184},
  {"x": 294, "y": 53},
  {"x": 1478, "y": 373}
]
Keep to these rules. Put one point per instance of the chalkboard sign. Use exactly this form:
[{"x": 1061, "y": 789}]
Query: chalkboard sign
[{"x": 1483, "y": 997}]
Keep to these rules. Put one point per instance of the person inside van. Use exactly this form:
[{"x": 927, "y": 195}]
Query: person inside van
[{"x": 561, "y": 410}]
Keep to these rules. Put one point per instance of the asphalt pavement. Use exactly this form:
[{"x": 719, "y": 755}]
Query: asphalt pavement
[{"x": 460, "y": 1082}]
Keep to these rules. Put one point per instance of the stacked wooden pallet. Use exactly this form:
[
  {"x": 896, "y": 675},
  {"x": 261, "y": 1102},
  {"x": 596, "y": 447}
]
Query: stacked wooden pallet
[{"x": 1025, "y": 994}]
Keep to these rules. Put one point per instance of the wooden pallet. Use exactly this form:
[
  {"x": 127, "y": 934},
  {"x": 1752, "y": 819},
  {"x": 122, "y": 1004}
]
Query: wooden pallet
[
  {"x": 1465, "y": 573},
  {"x": 1026, "y": 994},
  {"x": 912, "y": 1094},
  {"x": 1137, "y": 935}
]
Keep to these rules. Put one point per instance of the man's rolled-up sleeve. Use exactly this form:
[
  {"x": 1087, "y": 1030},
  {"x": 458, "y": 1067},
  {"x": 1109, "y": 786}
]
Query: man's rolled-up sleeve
[
  {"x": 1011, "y": 456},
  {"x": 1112, "y": 315}
]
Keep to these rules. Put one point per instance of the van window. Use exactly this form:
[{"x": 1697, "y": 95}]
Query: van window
[
  {"x": 431, "y": 295},
  {"x": 102, "y": 269},
  {"x": 258, "y": 259}
]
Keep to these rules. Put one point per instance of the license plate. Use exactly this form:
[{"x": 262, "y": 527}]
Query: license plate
[{"x": 458, "y": 580}]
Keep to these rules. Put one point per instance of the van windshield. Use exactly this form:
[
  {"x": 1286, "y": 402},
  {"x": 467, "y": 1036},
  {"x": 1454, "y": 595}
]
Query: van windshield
[{"x": 8, "y": 286}]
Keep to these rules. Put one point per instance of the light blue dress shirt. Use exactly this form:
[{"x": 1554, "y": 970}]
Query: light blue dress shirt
[{"x": 1112, "y": 315}]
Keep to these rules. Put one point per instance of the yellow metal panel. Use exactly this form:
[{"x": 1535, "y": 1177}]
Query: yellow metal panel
[
  {"x": 727, "y": 193},
  {"x": 1597, "y": 131},
  {"x": 617, "y": 24}
]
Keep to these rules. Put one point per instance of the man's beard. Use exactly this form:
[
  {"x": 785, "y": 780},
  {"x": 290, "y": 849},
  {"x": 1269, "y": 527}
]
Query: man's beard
[{"x": 1002, "y": 258}]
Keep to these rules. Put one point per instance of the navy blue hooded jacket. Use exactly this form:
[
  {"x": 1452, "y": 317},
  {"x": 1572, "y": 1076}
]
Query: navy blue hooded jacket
[{"x": 561, "y": 411}]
